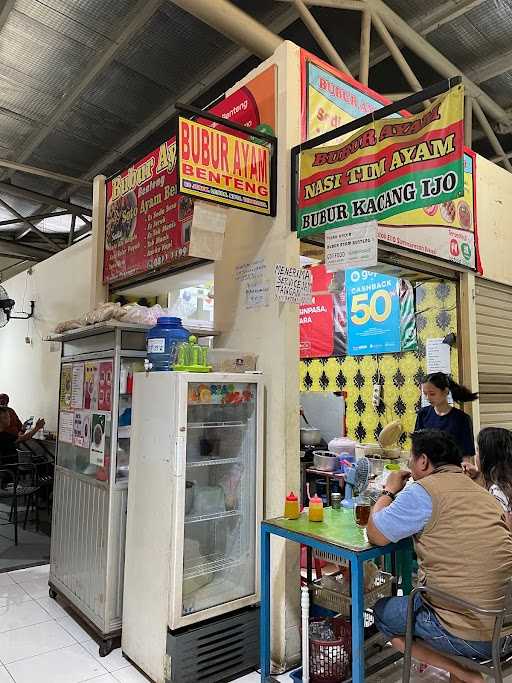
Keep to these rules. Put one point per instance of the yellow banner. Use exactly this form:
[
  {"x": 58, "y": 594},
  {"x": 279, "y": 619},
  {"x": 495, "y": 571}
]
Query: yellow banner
[{"x": 222, "y": 167}]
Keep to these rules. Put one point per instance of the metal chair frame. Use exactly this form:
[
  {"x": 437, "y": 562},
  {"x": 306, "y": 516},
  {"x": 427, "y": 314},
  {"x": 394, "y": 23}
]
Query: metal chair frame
[
  {"x": 12, "y": 470},
  {"x": 492, "y": 667}
]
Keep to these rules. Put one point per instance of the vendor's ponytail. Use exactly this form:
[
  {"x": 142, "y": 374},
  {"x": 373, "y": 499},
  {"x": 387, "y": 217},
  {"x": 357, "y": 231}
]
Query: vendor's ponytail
[{"x": 459, "y": 393}]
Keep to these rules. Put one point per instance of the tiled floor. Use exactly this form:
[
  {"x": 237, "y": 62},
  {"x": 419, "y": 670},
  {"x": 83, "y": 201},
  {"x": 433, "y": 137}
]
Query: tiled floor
[{"x": 41, "y": 642}]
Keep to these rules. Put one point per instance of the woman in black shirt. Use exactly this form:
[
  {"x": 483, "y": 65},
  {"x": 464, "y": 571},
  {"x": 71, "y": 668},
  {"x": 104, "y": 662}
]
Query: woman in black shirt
[{"x": 441, "y": 415}]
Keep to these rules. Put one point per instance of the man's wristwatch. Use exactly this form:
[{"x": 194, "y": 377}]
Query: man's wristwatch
[{"x": 391, "y": 495}]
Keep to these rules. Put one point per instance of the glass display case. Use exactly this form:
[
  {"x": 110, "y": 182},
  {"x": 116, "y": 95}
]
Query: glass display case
[
  {"x": 98, "y": 364},
  {"x": 194, "y": 506}
]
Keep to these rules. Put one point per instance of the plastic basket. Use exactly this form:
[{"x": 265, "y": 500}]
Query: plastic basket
[
  {"x": 330, "y": 660},
  {"x": 340, "y": 603},
  {"x": 330, "y": 557}
]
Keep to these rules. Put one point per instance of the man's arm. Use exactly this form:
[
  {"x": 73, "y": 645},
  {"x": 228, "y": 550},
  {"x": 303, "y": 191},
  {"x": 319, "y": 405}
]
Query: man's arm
[
  {"x": 392, "y": 520},
  {"x": 28, "y": 435},
  {"x": 375, "y": 536}
]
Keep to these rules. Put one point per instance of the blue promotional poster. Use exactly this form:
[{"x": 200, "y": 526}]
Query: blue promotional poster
[{"x": 373, "y": 312}]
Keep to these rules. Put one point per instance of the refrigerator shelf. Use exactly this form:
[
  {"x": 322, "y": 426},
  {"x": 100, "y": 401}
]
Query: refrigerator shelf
[
  {"x": 205, "y": 462},
  {"x": 212, "y": 516},
  {"x": 215, "y": 425},
  {"x": 213, "y": 563}
]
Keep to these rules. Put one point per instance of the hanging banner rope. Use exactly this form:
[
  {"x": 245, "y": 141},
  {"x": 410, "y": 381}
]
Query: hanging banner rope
[{"x": 386, "y": 167}]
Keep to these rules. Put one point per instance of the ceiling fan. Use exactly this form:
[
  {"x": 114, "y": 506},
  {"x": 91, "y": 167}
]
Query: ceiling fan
[{"x": 6, "y": 309}]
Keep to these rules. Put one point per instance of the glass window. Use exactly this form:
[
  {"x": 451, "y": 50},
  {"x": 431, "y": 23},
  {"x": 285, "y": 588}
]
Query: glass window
[{"x": 219, "y": 534}]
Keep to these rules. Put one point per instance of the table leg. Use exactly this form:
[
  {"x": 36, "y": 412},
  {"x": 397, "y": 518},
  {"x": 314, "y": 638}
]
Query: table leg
[
  {"x": 265, "y": 606},
  {"x": 309, "y": 564},
  {"x": 356, "y": 573}
]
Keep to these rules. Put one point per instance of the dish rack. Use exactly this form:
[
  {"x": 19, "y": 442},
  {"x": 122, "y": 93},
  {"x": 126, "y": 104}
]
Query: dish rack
[{"x": 341, "y": 603}]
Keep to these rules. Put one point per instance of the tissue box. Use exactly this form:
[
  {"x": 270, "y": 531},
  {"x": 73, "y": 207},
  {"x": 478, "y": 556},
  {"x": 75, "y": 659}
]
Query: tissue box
[{"x": 230, "y": 360}]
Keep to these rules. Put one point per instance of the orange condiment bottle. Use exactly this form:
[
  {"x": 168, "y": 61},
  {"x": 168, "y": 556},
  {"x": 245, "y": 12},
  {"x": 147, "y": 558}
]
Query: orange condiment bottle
[
  {"x": 316, "y": 509},
  {"x": 291, "y": 506}
]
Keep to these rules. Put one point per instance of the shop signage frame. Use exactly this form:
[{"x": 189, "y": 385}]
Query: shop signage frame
[
  {"x": 252, "y": 133},
  {"x": 384, "y": 112}
]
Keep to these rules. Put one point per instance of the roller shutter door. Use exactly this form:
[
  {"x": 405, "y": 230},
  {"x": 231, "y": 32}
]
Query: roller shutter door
[{"x": 494, "y": 344}]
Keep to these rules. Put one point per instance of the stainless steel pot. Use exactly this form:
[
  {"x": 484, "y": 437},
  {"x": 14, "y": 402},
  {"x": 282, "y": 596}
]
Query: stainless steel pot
[
  {"x": 310, "y": 436},
  {"x": 325, "y": 461}
]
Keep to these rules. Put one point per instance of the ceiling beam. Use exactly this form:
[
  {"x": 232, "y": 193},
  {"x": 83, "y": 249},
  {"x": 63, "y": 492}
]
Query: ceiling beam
[
  {"x": 319, "y": 36},
  {"x": 33, "y": 228},
  {"x": 13, "y": 266},
  {"x": 429, "y": 54},
  {"x": 135, "y": 20},
  {"x": 32, "y": 196},
  {"x": 10, "y": 248},
  {"x": 232, "y": 22},
  {"x": 412, "y": 39},
  {"x": 490, "y": 68},
  {"x": 34, "y": 217},
  {"x": 34, "y": 170}
]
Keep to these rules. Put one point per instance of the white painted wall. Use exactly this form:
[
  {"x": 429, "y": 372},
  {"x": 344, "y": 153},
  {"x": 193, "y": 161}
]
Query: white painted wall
[{"x": 29, "y": 373}]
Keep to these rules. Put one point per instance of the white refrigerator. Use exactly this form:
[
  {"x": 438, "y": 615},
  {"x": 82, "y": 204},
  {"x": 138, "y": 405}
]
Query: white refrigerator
[{"x": 194, "y": 506}]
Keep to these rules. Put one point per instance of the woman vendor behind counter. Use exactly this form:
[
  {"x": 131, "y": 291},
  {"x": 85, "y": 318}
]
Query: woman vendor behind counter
[{"x": 441, "y": 415}]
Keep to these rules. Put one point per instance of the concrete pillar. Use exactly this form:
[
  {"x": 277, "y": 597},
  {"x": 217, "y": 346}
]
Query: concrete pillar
[
  {"x": 271, "y": 332},
  {"x": 98, "y": 290}
]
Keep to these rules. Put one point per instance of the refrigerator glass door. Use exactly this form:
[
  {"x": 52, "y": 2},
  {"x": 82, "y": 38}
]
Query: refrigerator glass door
[{"x": 220, "y": 495}]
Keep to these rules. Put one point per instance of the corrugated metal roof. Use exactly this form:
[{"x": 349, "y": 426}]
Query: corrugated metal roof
[{"x": 47, "y": 48}]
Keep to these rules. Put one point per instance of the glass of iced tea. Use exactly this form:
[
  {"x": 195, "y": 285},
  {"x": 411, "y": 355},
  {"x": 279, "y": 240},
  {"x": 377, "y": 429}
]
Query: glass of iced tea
[{"x": 362, "y": 509}]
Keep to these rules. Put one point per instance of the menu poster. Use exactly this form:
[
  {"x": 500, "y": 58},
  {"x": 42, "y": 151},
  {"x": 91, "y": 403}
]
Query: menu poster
[
  {"x": 91, "y": 386},
  {"x": 105, "y": 386},
  {"x": 97, "y": 452},
  {"x": 65, "y": 387},
  {"x": 65, "y": 427},
  {"x": 77, "y": 385},
  {"x": 82, "y": 429}
]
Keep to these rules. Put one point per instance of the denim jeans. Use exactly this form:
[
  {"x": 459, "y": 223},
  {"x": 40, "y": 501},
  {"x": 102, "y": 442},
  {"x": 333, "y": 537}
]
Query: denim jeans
[{"x": 391, "y": 620}]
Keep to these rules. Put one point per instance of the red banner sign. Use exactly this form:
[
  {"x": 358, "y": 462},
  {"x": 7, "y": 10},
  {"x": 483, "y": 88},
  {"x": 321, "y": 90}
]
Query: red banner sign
[{"x": 147, "y": 220}]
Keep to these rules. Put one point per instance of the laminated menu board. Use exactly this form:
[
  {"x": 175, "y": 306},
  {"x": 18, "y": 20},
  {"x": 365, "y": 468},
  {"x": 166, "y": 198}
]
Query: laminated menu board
[
  {"x": 91, "y": 386},
  {"x": 66, "y": 427},
  {"x": 105, "y": 386},
  {"x": 77, "y": 385},
  {"x": 98, "y": 429},
  {"x": 65, "y": 387},
  {"x": 82, "y": 429}
]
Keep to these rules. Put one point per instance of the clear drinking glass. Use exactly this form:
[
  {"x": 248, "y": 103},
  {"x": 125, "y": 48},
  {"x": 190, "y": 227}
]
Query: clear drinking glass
[{"x": 362, "y": 509}]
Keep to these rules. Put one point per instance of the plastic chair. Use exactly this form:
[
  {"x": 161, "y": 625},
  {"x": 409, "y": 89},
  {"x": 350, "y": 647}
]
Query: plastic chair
[{"x": 502, "y": 626}]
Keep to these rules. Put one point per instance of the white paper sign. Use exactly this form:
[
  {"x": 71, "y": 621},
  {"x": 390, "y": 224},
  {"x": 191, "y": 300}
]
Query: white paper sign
[
  {"x": 251, "y": 271},
  {"x": 207, "y": 231},
  {"x": 354, "y": 246},
  {"x": 256, "y": 294},
  {"x": 438, "y": 356},
  {"x": 77, "y": 385},
  {"x": 292, "y": 284},
  {"x": 438, "y": 360},
  {"x": 66, "y": 427}
]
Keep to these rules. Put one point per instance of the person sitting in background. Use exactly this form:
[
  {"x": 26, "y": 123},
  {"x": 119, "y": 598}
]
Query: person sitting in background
[
  {"x": 15, "y": 425},
  {"x": 9, "y": 441},
  {"x": 493, "y": 467},
  {"x": 464, "y": 548}
]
